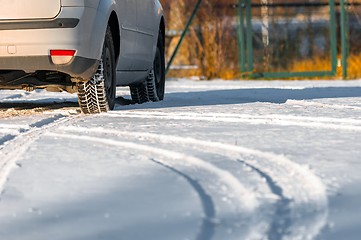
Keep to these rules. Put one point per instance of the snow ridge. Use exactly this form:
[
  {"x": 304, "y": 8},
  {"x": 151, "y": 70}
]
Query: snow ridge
[
  {"x": 281, "y": 120},
  {"x": 249, "y": 203},
  {"x": 244, "y": 204},
  {"x": 304, "y": 192}
]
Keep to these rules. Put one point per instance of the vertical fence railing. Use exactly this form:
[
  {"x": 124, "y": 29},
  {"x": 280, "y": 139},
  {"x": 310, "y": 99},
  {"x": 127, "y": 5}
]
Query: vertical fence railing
[
  {"x": 241, "y": 37},
  {"x": 333, "y": 36},
  {"x": 344, "y": 37},
  {"x": 249, "y": 37}
]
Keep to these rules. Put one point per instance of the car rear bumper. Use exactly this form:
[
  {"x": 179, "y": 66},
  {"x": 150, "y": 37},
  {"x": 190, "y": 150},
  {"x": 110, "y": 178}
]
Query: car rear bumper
[
  {"x": 79, "y": 67},
  {"x": 26, "y": 45}
]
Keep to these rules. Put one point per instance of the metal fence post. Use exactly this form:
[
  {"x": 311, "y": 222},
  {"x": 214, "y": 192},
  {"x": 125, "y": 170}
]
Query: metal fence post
[
  {"x": 184, "y": 33},
  {"x": 333, "y": 36},
  {"x": 344, "y": 37},
  {"x": 249, "y": 37},
  {"x": 241, "y": 37}
]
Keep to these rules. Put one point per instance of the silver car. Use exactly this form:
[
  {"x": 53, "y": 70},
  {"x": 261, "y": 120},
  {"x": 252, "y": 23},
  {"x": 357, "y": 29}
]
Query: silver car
[{"x": 86, "y": 47}]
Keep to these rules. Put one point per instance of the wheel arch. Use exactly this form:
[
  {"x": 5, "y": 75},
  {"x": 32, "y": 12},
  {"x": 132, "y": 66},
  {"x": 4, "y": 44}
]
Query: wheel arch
[
  {"x": 113, "y": 23},
  {"x": 106, "y": 14},
  {"x": 162, "y": 29}
]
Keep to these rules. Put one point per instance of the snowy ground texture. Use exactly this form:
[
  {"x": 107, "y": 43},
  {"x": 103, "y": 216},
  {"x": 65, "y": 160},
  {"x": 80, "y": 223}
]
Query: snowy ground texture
[{"x": 220, "y": 160}]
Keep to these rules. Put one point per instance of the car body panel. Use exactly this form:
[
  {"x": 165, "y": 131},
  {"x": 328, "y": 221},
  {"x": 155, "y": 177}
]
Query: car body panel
[
  {"x": 128, "y": 28},
  {"x": 20, "y": 9},
  {"x": 80, "y": 3},
  {"x": 146, "y": 24}
]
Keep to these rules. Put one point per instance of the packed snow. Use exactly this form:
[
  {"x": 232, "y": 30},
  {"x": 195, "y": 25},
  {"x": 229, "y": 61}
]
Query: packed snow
[{"x": 218, "y": 160}]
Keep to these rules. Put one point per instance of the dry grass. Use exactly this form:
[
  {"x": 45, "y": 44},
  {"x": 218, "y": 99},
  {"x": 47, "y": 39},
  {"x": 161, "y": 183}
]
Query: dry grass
[
  {"x": 354, "y": 66},
  {"x": 307, "y": 65},
  {"x": 324, "y": 64},
  {"x": 314, "y": 64}
]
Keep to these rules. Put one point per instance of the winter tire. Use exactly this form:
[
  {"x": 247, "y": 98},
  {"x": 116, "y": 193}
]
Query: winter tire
[
  {"x": 156, "y": 78},
  {"x": 153, "y": 88},
  {"x": 139, "y": 93},
  {"x": 98, "y": 94}
]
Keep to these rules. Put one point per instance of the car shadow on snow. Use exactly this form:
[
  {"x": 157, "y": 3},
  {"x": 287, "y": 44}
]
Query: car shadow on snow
[
  {"x": 244, "y": 96},
  {"x": 203, "y": 98},
  {"x": 27, "y": 105}
]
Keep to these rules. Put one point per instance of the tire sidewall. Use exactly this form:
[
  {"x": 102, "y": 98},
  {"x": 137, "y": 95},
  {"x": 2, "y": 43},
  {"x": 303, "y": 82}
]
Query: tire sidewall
[
  {"x": 160, "y": 89},
  {"x": 109, "y": 45}
]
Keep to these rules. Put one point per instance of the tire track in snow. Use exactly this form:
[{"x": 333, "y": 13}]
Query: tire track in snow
[
  {"x": 10, "y": 131},
  {"x": 208, "y": 226},
  {"x": 281, "y": 120},
  {"x": 279, "y": 225},
  {"x": 13, "y": 146},
  {"x": 296, "y": 186},
  {"x": 14, "y": 131},
  {"x": 244, "y": 205}
]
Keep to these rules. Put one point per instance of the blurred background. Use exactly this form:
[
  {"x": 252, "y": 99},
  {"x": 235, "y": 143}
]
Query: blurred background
[{"x": 231, "y": 39}]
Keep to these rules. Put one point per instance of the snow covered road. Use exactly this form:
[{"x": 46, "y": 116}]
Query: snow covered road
[{"x": 217, "y": 160}]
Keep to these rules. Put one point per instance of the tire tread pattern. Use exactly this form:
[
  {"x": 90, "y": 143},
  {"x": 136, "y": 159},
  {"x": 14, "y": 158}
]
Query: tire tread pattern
[
  {"x": 139, "y": 93},
  {"x": 92, "y": 95},
  {"x": 152, "y": 88}
]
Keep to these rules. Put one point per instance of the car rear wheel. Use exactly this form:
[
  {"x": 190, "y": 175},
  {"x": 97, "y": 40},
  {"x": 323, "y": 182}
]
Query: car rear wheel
[
  {"x": 99, "y": 93},
  {"x": 153, "y": 88}
]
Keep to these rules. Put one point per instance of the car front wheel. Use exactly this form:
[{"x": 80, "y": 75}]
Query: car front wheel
[
  {"x": 153, "y": 88},
  {"x": 156, "y": 78}
]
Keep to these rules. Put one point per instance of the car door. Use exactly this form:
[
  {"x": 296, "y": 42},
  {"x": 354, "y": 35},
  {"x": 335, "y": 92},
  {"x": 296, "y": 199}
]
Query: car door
[
  {"x": 129, "y": 34},
  {"x": 146, "y": 27}
]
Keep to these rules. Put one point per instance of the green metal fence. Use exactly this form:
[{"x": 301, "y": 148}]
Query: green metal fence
[{"x": 261, "y": 47}]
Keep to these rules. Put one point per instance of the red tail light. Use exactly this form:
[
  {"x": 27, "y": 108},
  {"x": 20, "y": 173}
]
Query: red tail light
[
  {"x": 62, "y": 57},
  {"x": 62, "y": 53}
]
